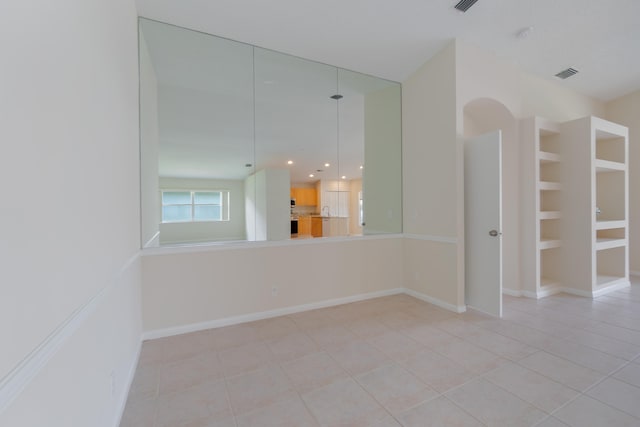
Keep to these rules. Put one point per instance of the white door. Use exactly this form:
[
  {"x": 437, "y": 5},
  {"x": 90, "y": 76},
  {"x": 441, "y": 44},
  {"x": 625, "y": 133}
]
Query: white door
[{"x": 483, "y": 222}]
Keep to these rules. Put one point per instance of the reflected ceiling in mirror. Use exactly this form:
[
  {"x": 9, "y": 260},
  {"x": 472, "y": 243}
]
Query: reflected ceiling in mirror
[{"x": 218, "y": 111}]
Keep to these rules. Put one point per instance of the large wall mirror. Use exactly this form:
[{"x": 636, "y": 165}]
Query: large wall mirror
[{"x": 243, "y": 143}]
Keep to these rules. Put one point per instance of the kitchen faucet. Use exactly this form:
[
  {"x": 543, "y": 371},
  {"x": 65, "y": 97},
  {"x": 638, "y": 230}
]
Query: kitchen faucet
[{"x": 328, "y": 211}]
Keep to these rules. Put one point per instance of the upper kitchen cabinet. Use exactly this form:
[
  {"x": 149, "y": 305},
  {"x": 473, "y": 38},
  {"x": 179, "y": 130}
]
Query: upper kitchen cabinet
[{"x": 304, "y": 196}]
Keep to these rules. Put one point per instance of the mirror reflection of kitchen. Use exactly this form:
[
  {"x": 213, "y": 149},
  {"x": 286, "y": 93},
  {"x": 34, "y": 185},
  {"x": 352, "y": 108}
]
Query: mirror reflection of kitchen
[{"x": 242, "y": 143}]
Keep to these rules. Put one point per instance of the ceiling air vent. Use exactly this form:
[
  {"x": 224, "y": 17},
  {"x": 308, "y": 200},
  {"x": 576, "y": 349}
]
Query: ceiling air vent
[
  {"x": 464, "y": 5},
  {"x": 567, "y": 73}
]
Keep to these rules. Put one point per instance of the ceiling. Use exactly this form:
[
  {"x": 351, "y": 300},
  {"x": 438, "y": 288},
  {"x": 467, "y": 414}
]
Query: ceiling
[
  {"x": 210, "y": 89},
  {"x": 391, "y": 39}
]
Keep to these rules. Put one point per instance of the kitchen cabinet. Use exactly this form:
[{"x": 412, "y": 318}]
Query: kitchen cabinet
[
  {"x": 316, "y": 226},
  {"x": 304, "y": 226},
  {"x": 304, "y": 196}
]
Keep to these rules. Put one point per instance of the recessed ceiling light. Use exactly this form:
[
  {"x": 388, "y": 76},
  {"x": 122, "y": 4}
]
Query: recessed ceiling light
[
  {"x": 361, "y": 166},
  {"x": 310, "y": 175},
  {"x": 326, "y": 165},
  {"x": 344, "y": 177},
  {"x": 290, "y": 162}
]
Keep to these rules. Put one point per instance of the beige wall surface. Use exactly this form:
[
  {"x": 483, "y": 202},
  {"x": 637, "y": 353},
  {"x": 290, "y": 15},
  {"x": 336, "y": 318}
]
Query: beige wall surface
[
  {"x": 70, "y": 124},
  {"x": 626, "y": 111},
  {"x": 432, "y": 171},
  {"x": 382, "y": 191},
  {"x": 547, "y": 98},
  {"x": 181, "y": 289},
  {"x": 483, "y": 83},
  {"x": 431, "y": 268}
]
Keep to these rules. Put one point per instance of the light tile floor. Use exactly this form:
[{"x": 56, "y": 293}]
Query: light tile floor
[{"x": 397, "y": 361}]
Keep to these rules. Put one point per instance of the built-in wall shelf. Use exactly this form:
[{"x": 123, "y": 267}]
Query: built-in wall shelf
[
  {"x": 546, "y": 157},
  {"x": 608, "y": 225},
  {"x": 542, "y": 197},
  {"x": 549, "y": 243},
  {"x": 595, "y": 205},
  {"x": 604, "y": 281},
  {"x": 546, "y": 282},
  {"x": 609, "y": 166},
  {"x": 549, "y": 215},
  {"x": 604, "y": 243},
  {"x": 575, "y": 197},
  {"x": 547, "y": 185}
]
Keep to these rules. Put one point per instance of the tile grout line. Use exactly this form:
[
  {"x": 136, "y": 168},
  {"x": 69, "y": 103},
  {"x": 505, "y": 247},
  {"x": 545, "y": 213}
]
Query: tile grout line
[{"x": 584, "y": 393}]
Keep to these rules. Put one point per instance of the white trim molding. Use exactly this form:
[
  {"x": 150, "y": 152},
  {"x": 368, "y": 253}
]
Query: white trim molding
[
  {"x": 131, "y": 373},
  {"x": 12, "y": 384},
  {"x": 21, "y": 375},
  {"x": 227, "y": 245},
  {"x": 426, "y": 237},
  {"x": 436, "y": 301},
  {"x": 512, "y": 292},
  {"x": 251, "y": 317}
]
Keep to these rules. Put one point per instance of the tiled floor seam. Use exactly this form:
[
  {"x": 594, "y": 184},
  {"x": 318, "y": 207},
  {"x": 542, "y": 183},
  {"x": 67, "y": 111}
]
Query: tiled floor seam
[
  {"x": 595, "y": 384},
  {"x": 461, "y": 408}
]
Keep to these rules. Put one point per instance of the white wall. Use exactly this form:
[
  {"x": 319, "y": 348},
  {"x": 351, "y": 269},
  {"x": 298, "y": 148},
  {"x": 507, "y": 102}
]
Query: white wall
[
  {"x": 149, "y": 195},
  {"x": 484, "y": 80},
  {"x": 547, "y": 98},
  {"x": 206, "y": 231},
  {"x": 71, "y": 223},
  {"x": 185, "y": 290},
  {"x": 250, "y": 207},
  {"x": 433, "y": 215},
  {"x": 382, "y": 175},
  {"x": 626, "y": 111},
  {"x": 355, "y": 228},
  {"x": 269, "y": 192}
]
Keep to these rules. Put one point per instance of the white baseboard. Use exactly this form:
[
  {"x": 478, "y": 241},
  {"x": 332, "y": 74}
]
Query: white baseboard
[
  {"x": 577, "y": 292},
  {"x": 122, "y": 401},
  {"x": 547, "y": 291},
  {"x": 436, "y": 301},
  {"x": 617, "y": 286},
  {"x": 482, "y": 311},
  {"x": 512, "y": 292},
  {"x": 251, "y": 317}
]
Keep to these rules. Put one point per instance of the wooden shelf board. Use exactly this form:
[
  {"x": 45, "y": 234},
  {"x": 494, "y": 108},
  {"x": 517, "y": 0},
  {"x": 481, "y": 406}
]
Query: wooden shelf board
[
  {"x": 609, "y": 166},
  {"x": 547, "y": 157},
  {"x": 606, "y": 280},
  {"x": 607, "y": 225},
  {"x": 549, "y": 215},
  {"x": 548, "y": 282},
  {"x": 549, "y": 243},
  {"x": 547, "y": 185},
  {"x": 602, "y": 243}
]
